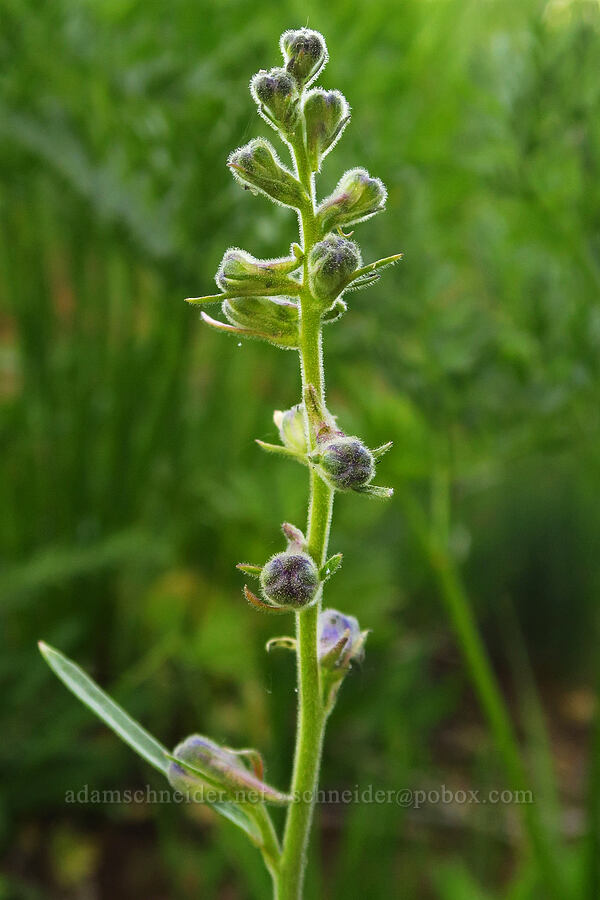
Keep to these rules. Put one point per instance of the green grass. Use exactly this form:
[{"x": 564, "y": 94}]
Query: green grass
[{"x": 130, "y": 484}]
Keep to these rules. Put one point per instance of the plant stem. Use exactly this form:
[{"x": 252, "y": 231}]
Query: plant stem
[{"x": 311, "y": 713}]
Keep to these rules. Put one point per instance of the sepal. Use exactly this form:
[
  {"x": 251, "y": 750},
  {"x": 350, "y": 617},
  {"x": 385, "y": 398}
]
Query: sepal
[
  {"x": 335, "y": 311},
  {"x": 331, "y": 566}
]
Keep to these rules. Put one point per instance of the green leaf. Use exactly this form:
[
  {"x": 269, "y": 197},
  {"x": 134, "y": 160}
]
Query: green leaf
[
  {"x": 113, "y": 715},
  {"x": 110, "y": 712}
]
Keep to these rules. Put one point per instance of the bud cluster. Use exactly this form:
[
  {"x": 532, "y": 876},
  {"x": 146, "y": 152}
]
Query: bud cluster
[{"x": 271, "y": 299}]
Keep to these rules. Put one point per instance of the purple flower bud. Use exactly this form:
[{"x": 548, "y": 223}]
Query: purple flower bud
[
  {"x": 277, "y": 96},
  {"x": 326, "y": 113},
  {"x": 346, "y": 462},
  {"x": 331, "y": 264},
  {"x": 340, "y": 639},
  {"x": 290, "y": 580},
  {"x": 357, "y": 197},
  {"x": 304, "y": 53}
]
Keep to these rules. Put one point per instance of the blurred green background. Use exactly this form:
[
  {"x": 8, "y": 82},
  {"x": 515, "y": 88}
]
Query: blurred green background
[{"x": 130, "y": 484}]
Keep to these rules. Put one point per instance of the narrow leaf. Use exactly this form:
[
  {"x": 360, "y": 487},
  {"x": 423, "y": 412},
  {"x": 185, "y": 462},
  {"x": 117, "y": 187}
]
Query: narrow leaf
[
  {"x": 110, "y": 712},
  {"x": 130, "y": 731}
]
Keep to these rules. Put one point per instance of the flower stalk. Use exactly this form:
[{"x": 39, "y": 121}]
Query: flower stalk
[{"x": 285, "y": 301}]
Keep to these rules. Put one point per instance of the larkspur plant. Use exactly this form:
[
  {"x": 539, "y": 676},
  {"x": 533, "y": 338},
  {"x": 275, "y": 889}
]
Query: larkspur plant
[{"x": 285, "y": 301}]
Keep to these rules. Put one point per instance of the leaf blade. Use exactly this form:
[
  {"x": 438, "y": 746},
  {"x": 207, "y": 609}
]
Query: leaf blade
[{"x": 91, "y": 695}]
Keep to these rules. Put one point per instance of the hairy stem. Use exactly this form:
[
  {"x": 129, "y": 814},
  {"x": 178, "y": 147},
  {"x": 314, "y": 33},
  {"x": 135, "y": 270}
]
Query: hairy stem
[{"x": 311, "y": 713}]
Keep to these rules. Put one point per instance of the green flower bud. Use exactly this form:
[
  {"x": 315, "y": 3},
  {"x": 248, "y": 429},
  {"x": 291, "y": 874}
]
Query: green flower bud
[
  {"x": 290, "y": 580},
  {"x": 346, "y": 462},
  {"x": 291, "y": 428},
  {"x": 357, "y": 197},
  {"x": 277, "y": 97},
  {"x": 273, "y": 319},
  {"x": 331, "y": 264},
  {"x": 326, "y": 114},
  {"x": 257, "y": 166},
  {"x": 242, "y": 274},
  {"x": 304, "y": 53}
]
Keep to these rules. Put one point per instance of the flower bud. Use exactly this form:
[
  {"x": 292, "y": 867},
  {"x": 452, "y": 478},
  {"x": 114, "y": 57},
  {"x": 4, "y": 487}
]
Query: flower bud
[
  {"x": 340, "y": 639},
  {"x": 346, "y": 462},
  {"x": 243, "y": 275},
  {"x": 331, "y": 264},
  {"x": 277, "y": 96},
  {"x": 219, "y": 765},
  {"x": 257, "y": 166},
  {"x": 290, "y": 580},
  {"x": 273, "y": 319},
  {"x": 291, "y": 428},
  {"x": 326, "y": 113},
  {"x": 357, "y": 197},
  {"x": 304, "y": 53},
  {"x": 204, "y": 764}
]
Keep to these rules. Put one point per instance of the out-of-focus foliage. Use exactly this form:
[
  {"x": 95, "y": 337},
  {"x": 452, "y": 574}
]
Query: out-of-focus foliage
[{"x": 130, "y": 484}]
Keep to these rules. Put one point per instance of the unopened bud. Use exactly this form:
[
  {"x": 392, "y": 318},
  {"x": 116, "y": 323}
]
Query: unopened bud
[
  {"x": 273, "y": 319},
  {"x": 346, "y": 462},
  {"x": 304, "y": 53},
  {"x": 326, "y": 113},
  {"x": 340, "y": 639},
  {"x": 202, "y": 763},
  {"x": 243, "y": 275},
  {"x": 219, "y": 766},
  {"x": 257, "y": 166},
  {"x": 357, "y": 197},
  {"x": 290, "y": 580},
  {"x": 331, "y": 264},
  {"x": 277, "y": 96},
  {"x": 291, "y": 428}
]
